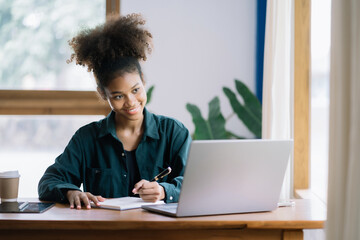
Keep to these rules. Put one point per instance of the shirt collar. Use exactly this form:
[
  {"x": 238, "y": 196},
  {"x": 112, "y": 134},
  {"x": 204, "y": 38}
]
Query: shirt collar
[
  {"x": 107, "y": 125},
  {"x": 151, "y": 128}
]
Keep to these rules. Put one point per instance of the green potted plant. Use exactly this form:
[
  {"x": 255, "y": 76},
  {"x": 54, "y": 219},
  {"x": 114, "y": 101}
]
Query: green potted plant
[{"x": 249, "y": 112}]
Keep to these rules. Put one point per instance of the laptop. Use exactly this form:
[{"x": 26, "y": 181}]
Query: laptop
[{"x": 230, "y": 176}]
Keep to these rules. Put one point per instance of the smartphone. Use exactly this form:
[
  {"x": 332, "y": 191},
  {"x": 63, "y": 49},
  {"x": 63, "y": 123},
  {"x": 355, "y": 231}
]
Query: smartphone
[{"x": 25, "y": 207}]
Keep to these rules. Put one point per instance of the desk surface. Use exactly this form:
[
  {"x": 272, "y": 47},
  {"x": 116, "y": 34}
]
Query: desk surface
[{"x": 306, "y": 214}]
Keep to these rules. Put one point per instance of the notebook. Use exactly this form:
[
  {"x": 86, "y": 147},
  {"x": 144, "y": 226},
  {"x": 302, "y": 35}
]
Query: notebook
[
  {"x": 124, "y": 203},
  {"x": 230, "y": 176}
]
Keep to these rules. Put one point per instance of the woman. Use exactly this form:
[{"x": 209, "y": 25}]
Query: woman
[{"x": 118, "y": 155}]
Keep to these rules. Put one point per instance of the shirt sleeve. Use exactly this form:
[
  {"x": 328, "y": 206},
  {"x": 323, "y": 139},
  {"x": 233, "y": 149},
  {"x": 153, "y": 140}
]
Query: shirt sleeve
[
  {"x": 179, "y": 151},
  {"x": 64, "y": 174}
]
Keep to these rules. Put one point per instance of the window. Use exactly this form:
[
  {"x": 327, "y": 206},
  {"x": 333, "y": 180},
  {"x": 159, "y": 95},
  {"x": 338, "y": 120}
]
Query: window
[
  {"x": 33, "y": 43},
  {"x": 320, "y": 64},
  {"x": 33, "y": 54},
  {"x": 31, "y": 143}
]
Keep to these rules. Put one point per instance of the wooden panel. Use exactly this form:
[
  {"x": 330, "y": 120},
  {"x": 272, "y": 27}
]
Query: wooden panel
[
  {"x": 112, "y": 7},
  {"x": 293, "y": 235},
  {"x": 23, "y": 102},
  {"x": 302, "y": 94},
  {"x": 89, "y": 234}
]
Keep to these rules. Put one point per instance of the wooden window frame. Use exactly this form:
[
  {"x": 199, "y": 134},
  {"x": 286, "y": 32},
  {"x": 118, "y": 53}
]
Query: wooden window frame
[
  {"x": 112, "y": 7},
  {"x": 28, "y": 102},
  {"x": 37, "y": 102},
  {"x": 302, "y": 20}
]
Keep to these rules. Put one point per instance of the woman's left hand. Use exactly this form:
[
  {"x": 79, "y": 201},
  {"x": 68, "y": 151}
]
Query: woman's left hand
[{"x": 149, "y": 191}]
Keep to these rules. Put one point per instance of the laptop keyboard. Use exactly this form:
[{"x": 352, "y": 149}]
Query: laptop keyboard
[{"x": 167, "y": 207}]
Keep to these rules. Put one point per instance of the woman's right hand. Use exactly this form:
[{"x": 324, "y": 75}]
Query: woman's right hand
[{"x": 75, "y": 198}]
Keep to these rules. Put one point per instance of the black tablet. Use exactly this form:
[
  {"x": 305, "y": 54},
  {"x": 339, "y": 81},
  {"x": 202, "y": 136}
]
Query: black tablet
[{"x": 24, "y": 207}]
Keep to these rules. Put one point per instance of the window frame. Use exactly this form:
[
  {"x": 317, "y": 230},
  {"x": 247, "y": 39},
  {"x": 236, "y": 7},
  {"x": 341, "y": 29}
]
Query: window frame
[
  {"x": 302, "y": 63},
  {"x": 52, "y": 102},
  {"x": 39, "y": 102}
]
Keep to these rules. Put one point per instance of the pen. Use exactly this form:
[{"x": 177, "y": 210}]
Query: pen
[
  {"x": 157, "y": 177},
  {"x": 162, "y": 174}
]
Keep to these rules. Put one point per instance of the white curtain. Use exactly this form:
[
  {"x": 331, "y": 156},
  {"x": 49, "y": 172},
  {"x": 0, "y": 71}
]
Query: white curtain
[
  {"x": 278, "y": 79},
  {"x": 344, "y": 145}
]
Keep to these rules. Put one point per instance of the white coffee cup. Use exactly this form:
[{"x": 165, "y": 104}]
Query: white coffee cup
[{"x": 9, "y": 186}]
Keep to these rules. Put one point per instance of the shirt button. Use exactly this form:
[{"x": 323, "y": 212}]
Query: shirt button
[
  {"x": 171, "y": 197},
  {"x": 123, "y": 154},
  {"x": 124, "y": 175}
]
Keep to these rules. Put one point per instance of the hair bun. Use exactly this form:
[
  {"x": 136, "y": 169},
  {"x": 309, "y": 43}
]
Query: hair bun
[{"x": 120, "y": 36}]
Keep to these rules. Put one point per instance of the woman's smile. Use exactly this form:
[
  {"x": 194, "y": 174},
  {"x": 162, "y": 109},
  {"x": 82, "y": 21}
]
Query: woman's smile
[{"x": 133, "y": 110}]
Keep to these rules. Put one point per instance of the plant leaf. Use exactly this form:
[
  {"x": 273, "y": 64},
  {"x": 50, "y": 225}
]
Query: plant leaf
[
  {"x": 245, "y": 115},
  {"x": 251, "y": 101},
  {"x": 216, "y": 120},
  {"x": 149, "y": 93},
  {"x": 202, "y": 129}
]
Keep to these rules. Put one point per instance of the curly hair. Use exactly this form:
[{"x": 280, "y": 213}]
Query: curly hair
[{"x": 113, "y": 48}]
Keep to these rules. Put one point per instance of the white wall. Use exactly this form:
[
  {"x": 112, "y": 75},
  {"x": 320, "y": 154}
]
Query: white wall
[{"x": 199, "y": 47}]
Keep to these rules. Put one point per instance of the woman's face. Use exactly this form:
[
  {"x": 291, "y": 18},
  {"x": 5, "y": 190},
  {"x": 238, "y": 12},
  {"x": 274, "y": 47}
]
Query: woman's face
[{"x": 127, "y": 96}]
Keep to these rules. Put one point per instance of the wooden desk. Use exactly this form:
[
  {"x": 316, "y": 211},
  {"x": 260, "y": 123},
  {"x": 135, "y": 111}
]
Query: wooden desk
[{"x": 60, "y": 222}]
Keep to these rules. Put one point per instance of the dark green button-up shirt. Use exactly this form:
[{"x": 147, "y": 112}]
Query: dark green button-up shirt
[{"x": 95, "y": 158}]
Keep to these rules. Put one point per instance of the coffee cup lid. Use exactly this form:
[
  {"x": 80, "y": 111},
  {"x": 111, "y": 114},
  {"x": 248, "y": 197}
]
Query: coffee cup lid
[{"x": 9, "y": 174}]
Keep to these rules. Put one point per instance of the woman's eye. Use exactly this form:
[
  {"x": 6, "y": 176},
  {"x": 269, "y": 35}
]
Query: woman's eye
[
  {"x": 118, "y": 97},
  {"x": 135, "y": 90}
]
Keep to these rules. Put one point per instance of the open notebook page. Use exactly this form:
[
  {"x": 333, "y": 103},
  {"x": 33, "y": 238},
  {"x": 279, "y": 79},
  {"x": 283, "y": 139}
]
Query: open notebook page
[{"x": 124, "y": 203}]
